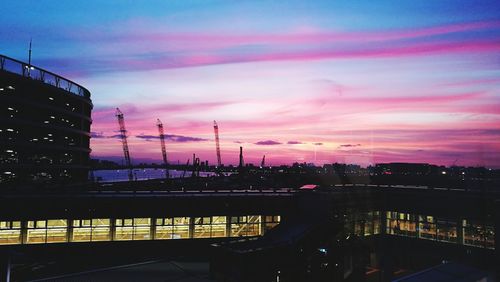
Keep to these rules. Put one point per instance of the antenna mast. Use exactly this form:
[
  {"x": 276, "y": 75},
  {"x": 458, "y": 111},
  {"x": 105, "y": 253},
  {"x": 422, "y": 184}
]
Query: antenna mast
[
  {"x": 123, "y": 136},
  {"x": 29, "y": 55}
]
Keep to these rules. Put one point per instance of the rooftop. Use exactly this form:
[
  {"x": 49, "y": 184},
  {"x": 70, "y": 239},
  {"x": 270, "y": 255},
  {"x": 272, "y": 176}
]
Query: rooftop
[{"x": 29, "y": 71}]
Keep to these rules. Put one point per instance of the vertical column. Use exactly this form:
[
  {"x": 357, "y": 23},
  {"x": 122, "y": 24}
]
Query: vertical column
[
  {"x": 69, "y": 234},
  {"x": 262, "y": 230},
  {"x": 383, "y": 222},
  {"x": 497, "y": 239},
  {"x": 228, "y": 226},
  {"x": 191, "y": 227},
  {"x": 362, "y": 222},
  {"x": 153, "y": 228},
  {"x": 112, "y": 227},
  {"x": 24, "y": 232},
  {"x": 4, "y": 266},
  {"x": 460, "y": 232},
  {"x": 386, "y": 264}
]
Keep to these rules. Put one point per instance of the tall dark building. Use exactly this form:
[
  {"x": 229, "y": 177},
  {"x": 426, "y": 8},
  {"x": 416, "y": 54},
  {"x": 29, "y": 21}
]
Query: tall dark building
[{"x": 44, "y": 126}]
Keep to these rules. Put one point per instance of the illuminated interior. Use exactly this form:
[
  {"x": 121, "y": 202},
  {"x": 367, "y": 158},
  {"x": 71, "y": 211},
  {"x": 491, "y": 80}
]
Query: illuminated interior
[
  {"x": 128, "y": 229},
  {"x": 466, "y": 232}
]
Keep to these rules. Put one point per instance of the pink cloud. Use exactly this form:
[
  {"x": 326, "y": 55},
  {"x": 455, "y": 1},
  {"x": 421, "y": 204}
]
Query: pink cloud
[
  {"x": 165, "y": 61},
  {"x": 126, "y": 51},
  {"x": 317, "y": 114},
  {"x": 223, "y": 40}
]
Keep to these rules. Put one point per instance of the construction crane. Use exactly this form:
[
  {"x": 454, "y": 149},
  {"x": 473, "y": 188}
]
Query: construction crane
[
  {"x": 159, "y": 124},
  {"x": 217, "y": 145},
  {"x": 123, "y": 137},
  {"x": 263, "y": 162},
  {"x": 196, "y": 166},
  {"x": 185, "y": 169}
]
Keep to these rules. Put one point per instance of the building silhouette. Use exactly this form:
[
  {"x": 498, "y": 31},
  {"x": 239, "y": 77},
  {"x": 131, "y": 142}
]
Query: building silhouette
[{"x": 44, "y": 126}]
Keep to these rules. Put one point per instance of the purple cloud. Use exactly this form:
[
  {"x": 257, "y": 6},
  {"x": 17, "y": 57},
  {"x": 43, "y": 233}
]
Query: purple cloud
[
  {"x": 268, "y": 142},
  {"x": 294, "y": 142},
  {"x": 97, "y": 135},
  {"x": 349, "y": 145},
  {"x": 100, "y": 135},
  {"x": 318, "y": 144},
  {"x": 116, "y": 136},
  {"x": 172, "y": 137}
]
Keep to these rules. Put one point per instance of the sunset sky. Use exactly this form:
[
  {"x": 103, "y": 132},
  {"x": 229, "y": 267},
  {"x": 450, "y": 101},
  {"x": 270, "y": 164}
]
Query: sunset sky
[{"x": 299, "y": 81}]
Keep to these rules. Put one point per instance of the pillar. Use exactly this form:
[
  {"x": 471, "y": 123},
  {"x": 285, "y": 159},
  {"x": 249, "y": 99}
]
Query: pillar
[
  {"x": 384, "y": 246},
  {"x": 228, "y": 226},
  {"x": 153, "y": 228},
  {"x": 497, "y": 239},
  {"x": 5, "y": 266},
  {"x": 191, "y": 227},
  {"x": 460, "y": 232}
]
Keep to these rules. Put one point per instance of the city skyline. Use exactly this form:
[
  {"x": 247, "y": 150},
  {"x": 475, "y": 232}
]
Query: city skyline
[{"x": 299, "y": 82}]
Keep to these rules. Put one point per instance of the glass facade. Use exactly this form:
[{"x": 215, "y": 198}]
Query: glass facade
[
  {"x": 465, "y": 232},
  {"x": 181, "y": 228},
  {"x": 47, "y": 231},
  {"x": 270, "y": 222},
  {"x": 209, "y": 227},
  {"x": 401, "y": 224},
  {"x": 128, "y": 229},
  {"x": 478, "y": 234},
  {"x": 10, "y": 232},
  {"x": 245, "y": 226},
  {"x": 362, "y": 223}
]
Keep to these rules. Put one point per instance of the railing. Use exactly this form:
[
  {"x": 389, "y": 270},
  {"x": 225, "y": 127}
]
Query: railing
[{"x": 35, "y": 73}]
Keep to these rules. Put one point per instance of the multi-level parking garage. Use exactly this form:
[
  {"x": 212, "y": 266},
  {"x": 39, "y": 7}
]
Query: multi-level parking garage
[{"x": 44, "y": 126}]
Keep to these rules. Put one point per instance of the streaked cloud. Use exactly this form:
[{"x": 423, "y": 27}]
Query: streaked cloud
[
  {"x": 171, "y": 137},
  {"x": 268, "y": 142}
]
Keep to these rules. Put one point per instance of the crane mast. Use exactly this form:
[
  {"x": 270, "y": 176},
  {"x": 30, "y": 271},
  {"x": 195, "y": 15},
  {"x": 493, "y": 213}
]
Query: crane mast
[
  {"x": 159, "y": 124},
  {"x": 123, "y": 137},
  {"x": 242, "y": 162},
  {"x": 217, "y": 145}
]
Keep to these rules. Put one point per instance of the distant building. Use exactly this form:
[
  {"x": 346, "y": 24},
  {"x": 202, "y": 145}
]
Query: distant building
[
  {"x": 44, "y": 126},
  {"x": 407, "y": 169}
]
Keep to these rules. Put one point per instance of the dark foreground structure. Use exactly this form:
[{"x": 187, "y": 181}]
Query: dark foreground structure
[
  {"x": 368, "y": 233},
  {"x": 44, "y": 126},
  {"x": 338, "y": 233}
]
